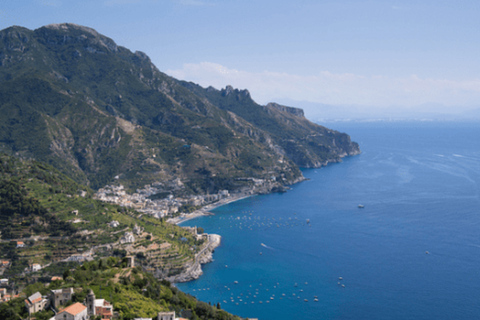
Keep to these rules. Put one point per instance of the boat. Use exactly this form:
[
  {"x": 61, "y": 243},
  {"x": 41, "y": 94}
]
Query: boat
[
  {"x": 236, "y": 282},
  {"x": 316, "y": 299},
  {"x": 361, "y": 206}
]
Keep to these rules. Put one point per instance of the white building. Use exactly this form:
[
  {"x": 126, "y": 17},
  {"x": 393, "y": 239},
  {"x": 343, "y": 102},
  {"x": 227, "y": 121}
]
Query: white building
[
  {"x": 166, "y": 315},
  {"x": 127, "y": 238},
  {"x": 36, "y": 267},
  {"x": 35, "y": 303},
  {"x": 114, "y": 224},
  {"x": 76, "y": 311}
]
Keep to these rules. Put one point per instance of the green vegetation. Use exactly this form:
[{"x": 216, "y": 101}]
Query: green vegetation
[
  {"x": 132, "y": 292},
  {"x": 72, "y": 98},
  {"x": 56, "y": 218}
]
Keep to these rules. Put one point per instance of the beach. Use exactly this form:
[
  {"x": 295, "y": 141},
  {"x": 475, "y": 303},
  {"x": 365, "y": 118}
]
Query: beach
[{"x": 205, "y": 211}]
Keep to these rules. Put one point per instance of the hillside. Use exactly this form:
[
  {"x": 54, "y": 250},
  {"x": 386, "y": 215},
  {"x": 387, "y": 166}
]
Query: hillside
[
  {"x": 57, "y": 220},
  {"x": 132, "y": 292},
  {"x": 102, "y": 114}
]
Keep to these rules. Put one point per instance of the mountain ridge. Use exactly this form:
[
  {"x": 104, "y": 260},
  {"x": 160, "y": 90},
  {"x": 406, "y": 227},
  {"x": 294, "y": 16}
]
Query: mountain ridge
[{"x": 103, "y": 114}]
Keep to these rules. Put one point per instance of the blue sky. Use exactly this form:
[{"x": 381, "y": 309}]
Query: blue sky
[{"x": 376, "y": 56}]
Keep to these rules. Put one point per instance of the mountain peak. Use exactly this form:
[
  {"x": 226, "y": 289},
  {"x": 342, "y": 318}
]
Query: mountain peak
[
  {"x": 229, "y": 90},
  {"x": 62, "y": 33},
  {"x": 71, "y": 26}
]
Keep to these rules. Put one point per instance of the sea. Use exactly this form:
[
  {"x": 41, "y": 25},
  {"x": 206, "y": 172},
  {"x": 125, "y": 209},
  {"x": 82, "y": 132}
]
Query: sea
[{"x": 411, "y": 252}]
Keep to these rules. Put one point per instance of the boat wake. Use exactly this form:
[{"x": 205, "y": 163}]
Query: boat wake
[{"x": 265, "y": 246}]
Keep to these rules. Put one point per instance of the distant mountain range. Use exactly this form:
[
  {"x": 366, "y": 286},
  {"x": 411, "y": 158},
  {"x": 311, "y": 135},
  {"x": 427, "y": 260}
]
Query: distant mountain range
[{"x": 102, "y": 114}]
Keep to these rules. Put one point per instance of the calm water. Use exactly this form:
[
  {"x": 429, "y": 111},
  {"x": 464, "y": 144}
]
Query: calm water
[{"x": 413, "y": 252}]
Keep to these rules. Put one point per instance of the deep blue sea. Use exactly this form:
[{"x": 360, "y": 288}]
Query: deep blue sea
[{"x": 413, "y": 251}]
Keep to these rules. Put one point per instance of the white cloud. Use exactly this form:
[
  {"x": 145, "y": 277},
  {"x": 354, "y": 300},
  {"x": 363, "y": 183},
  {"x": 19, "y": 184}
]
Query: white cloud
[{"x": 336, "y": 88}]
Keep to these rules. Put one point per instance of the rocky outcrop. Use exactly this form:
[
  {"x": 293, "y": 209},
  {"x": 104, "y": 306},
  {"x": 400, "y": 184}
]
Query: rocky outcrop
[
  {"x": 194, "y": 270},
  {"x": 295, "y": 111}
]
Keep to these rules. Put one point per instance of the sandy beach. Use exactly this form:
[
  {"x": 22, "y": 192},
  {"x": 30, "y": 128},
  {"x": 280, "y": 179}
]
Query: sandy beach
[{"x": 205, "y": 211}]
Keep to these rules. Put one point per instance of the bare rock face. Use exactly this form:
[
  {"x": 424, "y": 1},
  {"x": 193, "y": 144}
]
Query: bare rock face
[{"x": 295, "y": 111}]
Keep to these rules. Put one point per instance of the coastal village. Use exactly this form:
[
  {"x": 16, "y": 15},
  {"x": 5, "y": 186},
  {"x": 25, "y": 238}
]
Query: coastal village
[
  {"x": 170, "y": 208},
  {"x": 179, "y": 206},
  {"x": 60, "y": 301}
]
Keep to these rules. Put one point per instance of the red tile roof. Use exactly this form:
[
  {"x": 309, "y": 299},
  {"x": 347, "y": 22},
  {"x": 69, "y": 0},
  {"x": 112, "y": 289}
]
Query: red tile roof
[{"x": 74, "y": 309}]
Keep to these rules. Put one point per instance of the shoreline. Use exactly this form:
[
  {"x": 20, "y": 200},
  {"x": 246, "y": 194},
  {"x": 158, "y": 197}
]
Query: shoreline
[{"x": 205, "y": 211}]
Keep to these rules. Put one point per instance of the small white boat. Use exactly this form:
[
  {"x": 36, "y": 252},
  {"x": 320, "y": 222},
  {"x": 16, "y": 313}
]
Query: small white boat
[{"x": 361, "y": 206}]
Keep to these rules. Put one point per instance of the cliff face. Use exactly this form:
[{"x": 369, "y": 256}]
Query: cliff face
[
  {"x": 295, "y": 111},
  {"x": 73, "y": 98}
]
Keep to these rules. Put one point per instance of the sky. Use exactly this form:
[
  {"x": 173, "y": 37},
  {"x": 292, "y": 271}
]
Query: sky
[{"x": 369, "y": 57}]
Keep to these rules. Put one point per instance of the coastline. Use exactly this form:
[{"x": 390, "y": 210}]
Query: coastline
[
  {"x": 194, "y": 270},
  {"x": 205, "y": 211}
]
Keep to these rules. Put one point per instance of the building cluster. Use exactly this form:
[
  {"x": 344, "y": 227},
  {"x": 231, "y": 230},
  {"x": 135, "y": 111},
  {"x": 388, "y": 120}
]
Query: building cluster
[
  {"x": 4, "y": 296},
  {"x": 90, "y": 309},
  {"x": 158, "y": 208},
  {"x": 163, "y": 316}
]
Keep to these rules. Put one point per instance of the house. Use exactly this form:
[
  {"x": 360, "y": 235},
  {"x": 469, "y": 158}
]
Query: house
[
  {"x": 127, "y": 238},
  {"x": 114, "y": 223},
  {"x": 35, "y": 303},
  {"x": 103, "y": 308},
  {"x": 137, "y": 230},
  {"x": 4, "y": 263},
  {"x": 224, "y": 194},
  {"x": 4, "y": 282},
  {"x": 99, "y": 307},
  {"x": 76, "y": 311},
  {"x": 20, "y": 244},
  {"x": 7, "y": 297},
  {"x": 60, "y": 297},
  {"x": 166, "y": 315},
  {"x": 35, "y": 267}
]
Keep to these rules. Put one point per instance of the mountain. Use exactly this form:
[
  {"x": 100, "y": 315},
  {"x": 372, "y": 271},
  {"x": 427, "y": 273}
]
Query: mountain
[{"x": 102, "y": 114}]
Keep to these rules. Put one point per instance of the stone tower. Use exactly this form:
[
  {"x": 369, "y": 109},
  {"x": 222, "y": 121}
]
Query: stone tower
[{"x": 91, "y": 303}]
